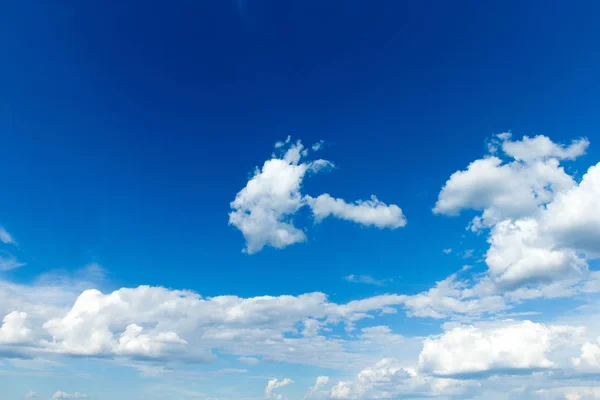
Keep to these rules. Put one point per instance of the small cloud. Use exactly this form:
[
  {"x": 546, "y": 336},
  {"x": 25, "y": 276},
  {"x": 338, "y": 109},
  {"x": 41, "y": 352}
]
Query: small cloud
[
  {"x": 366, "y": 279},
  {"x": 31, "y": 395},
  {"x": 6, "y": 238},
  {"x": 283, "y": 142},
  {"x": 62, "y": 395},
  {"x": 9, "y": 263},
  {"x": 318, "y": 146},
  {"x": 468, "y": 253},
  {"x": 276, "y": 384},
  {"x": 447, "y": 251}
]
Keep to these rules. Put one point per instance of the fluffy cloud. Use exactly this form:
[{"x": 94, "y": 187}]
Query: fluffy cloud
[
  {"x": 450, "y": 297},
  {"x": 389, "y": 379},
  {"x": 519, "y": 253},
  {"x": 369, "y": 213},
  {"x": 158, "y": 324},
  {"x": 14, "y": 329},
  {"x": 6, "y": 237},
  {"x": 513, "y": 346},
  {"x": 541, "y": 147},
  {"x": 506, "y": 189},
  {"x": 274, "y": 384},
  {"x": 543, "y": 224},
  {"x": 315, "y": 391},
  {"x": 62, "y": 395},
  {"x": 573, "y": 217},
  {"x": 264, "y": 209},
  {"x": 590, "y": 355}
]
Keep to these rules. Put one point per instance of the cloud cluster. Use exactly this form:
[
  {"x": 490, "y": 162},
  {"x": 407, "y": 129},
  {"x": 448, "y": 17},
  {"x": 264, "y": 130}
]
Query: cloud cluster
[
  {"x": 544, "y": 225},
  {"x": 274, "y": 384},
  {"x": 512, "y": 345},
  {"x": 264, "y": 209},
  {"x": 389, "y": 379}
]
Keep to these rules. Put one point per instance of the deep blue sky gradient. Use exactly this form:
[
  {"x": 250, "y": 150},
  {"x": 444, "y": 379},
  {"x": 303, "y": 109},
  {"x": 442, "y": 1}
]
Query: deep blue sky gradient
[{"x": 126, "y": 128}]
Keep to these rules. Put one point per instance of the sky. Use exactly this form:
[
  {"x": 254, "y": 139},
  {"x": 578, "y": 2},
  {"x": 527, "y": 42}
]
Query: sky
[{"x": 290, "y": 200}]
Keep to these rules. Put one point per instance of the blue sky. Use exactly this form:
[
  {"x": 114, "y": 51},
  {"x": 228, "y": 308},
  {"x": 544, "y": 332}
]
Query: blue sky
[{"x": 139, "y": 144}]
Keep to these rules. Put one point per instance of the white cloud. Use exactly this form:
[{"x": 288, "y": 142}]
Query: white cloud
[
  {"x": 544, "y": 225},
  {"x": 264, "y": 209},
  {"x": 62, "y": 395},
  {"x": 541, "y": 147},
  {"x": 369, "y": 213},
  {"x": 389, "y": 379},
  {"x": 274, "y": 384},
  {"x": 13, "y": 329},
  {"x": 590, "y": 355},
  {"x": 315, "y": 390},
  {"x": 31, "y": 395},
  {"x": 158, "y": 324},
  {"x": 449, "y": 297},
  {"x": 6, "y": 237},
  {"x": 519, "y": 253},
  {"x": 522, "y": 345},
  {"x": 447, "y": 251},
  {"x": 9, "y": 263},
  {"x": 573, "y": 218},
  {"x": 366, "y": 279},
  {"x": 318, "y": 145}
]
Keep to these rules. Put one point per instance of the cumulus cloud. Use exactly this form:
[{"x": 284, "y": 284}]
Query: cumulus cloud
[
  {"x": 503, "y": 189},
  {"x": 369, "y": 213},
  {"x": 6, "y": 237},
  {"x": 389, "y": 379},
  {"x": 514, "y": 345},
  {"x": 14, "y": 329},
  {"x": 316, "y": 390},
  {"x": 264, "y": 209},
  {"x": 452, "y": 296},
  {"x": 541, "y": 147},
  {"x": 573, "y": 218},
  {"x": 162, "y": 325},
  {"x": 590, "y": 355},
  {"x": 543, "y": 224},
  {"x": 63, "y": 395},
  {"x": 274, "y": 384}
]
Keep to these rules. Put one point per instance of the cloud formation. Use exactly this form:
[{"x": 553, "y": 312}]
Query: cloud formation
[
  {"x": 5, "y": 237},
  {"x": 264, "y": 209},
  {"x": 62, "y": 395},
  {"x": 513, "y": 345},
  {"x": 274, "y": 384},
  {"x": 543, "y": 225}
]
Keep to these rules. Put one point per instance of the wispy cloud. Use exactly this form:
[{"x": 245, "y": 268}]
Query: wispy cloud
[
  {"x": 366, "y": 279},
  {"x": 9, "y": 262},
  {"x": 468, "y": 253},
  {"x": 447, "y": 251},
  {"x": 6, "y": 237}
]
